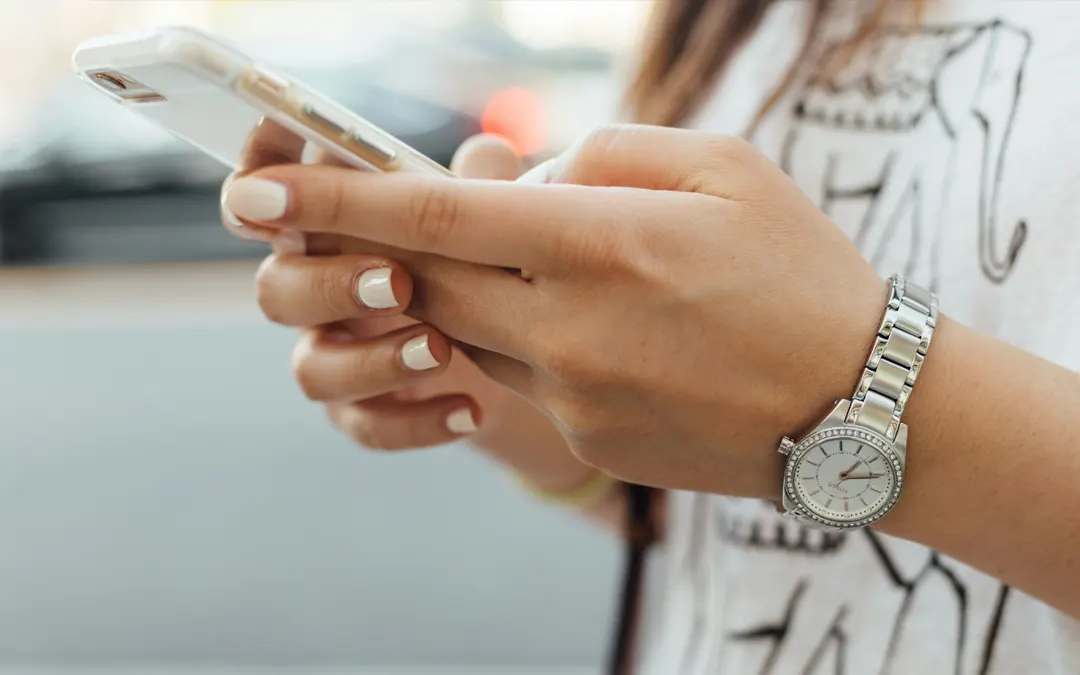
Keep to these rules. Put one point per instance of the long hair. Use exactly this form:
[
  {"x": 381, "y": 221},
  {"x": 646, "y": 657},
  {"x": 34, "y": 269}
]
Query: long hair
[{"x": 690, "y": 44}]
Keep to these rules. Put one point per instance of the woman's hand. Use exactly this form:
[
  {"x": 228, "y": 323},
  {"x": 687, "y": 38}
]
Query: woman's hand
[
  {"x": 686, "y": 305},
  {"x": 390, "y": 382}
]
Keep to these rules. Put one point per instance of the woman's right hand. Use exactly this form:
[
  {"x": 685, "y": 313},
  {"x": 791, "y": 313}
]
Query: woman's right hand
[{"x": 387, "y": 381}]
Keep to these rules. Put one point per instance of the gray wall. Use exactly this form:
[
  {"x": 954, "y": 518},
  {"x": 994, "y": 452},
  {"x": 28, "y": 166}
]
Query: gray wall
[{"x": 166, "y": 495}]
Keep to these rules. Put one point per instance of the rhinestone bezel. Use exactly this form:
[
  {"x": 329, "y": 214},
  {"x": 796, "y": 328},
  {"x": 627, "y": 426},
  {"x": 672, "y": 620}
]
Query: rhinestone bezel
[{"x": 865, "y": 435}]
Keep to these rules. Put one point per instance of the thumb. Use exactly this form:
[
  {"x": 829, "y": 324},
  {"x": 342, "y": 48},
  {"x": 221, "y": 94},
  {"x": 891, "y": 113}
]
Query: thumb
[{"x": 486, "y": 157}]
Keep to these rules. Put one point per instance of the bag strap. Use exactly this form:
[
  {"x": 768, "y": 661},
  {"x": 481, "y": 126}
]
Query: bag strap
[{"x": 640, "y": 535}]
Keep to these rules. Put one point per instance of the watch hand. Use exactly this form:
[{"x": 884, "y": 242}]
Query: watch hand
[
  {"x": 869, "y": 475},
  {"x": 844, "y": 474}
]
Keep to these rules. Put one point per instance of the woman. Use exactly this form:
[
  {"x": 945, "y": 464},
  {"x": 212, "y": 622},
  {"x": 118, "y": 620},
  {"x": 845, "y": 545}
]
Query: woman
[{"x": 682, "y": 306}]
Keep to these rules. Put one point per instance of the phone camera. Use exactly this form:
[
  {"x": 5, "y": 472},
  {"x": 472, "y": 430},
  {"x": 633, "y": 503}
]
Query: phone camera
[{"x": 110, "y": 81}]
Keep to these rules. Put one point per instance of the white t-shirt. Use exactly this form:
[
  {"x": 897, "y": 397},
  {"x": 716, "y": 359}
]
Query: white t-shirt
[{"x": 950, "y": 151}]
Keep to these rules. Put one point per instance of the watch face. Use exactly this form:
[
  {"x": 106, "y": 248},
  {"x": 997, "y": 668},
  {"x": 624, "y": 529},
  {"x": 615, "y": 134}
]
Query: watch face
[{"x": 844, "y": 477}]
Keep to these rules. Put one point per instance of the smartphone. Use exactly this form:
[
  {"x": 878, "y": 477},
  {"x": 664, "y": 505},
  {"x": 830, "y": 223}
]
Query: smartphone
[{"x": 210, "y": 94}]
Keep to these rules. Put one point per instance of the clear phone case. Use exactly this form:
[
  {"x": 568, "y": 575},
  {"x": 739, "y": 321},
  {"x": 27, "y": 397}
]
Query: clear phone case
[{"x": 215, "y": 97}]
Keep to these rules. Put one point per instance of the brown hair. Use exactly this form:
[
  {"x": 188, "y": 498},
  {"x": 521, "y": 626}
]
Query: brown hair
[{"x": 691, "y": 42}]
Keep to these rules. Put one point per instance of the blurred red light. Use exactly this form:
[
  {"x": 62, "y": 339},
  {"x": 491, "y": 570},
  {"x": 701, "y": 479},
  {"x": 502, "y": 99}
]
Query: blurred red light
[{"x": 517, "y": 115}]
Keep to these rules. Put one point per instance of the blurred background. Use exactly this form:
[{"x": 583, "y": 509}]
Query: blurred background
[{"x": 169, "y": 502}]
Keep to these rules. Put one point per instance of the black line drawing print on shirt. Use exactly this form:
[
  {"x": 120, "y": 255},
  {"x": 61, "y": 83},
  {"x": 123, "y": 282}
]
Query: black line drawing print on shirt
[
  {"x": 927, "y": 106},
  {"x": 974, "y": 634},
  {"x": 934, "y": 83},
  {"x": 773, "y": 632}
]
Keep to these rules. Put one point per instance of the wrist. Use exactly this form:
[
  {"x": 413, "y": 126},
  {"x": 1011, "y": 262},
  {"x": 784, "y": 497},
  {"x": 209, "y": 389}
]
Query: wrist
[
  {"x": 934, "y": 415},
  {"x": 966, "y": 439},
  {"x": 828, "y": 372},
  {"x": 850, "y": 487}
]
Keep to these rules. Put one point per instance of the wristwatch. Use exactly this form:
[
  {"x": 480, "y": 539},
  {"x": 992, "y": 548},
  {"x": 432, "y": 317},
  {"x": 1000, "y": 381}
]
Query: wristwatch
[{"x": 849, "y": 470}]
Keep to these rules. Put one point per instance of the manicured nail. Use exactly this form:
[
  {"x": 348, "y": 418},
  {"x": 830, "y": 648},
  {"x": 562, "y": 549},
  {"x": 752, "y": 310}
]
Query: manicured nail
[
  {"x": 461, "y": 421},
  {"x": 290, "y": 242},
  {"x": 245, "y": 231},
  {"x": 256, "y": 199},
  {"x": 417, "y": 355},
  {"x": 235, "y": 225},
  {"x": 374, "y": 289}
]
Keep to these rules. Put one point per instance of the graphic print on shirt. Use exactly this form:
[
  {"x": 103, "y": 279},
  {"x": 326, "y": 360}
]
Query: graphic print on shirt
[
  {"x": 814, "y": 603},
  {"x": 924, "y": 107},
  {"x": 908, "y": 97}
]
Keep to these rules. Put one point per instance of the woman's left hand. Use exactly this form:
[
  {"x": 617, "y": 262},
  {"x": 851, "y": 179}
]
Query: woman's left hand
[{"x": 685, "y": 305}]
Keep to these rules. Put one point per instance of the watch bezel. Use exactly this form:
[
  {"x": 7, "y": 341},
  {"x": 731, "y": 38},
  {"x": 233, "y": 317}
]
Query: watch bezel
[{"x": 845, "y": 431}]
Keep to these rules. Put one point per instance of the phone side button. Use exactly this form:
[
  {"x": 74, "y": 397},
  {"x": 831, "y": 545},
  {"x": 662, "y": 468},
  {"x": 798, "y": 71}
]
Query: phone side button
[{"x": 373, "y": 152}]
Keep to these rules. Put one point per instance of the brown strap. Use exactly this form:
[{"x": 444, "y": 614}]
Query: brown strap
[{"x": 641, "y": 533}]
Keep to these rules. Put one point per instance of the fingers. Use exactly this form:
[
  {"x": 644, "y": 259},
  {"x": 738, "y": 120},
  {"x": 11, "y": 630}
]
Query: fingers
[
  {"x": 390, "y": 424},
  {"x": 479, "y": 305},
  {"x": 491, "y": 222},
  {"x": 486, "y": 157},
  {"x": 283, "y": 241},
  {"x": 660, "y": 158},
  {"x": 269, "y": 144},
  {"x": 302, "y": 291},
  {"x": 510, "y": 373},
  {"x": 331, "y": 366}
]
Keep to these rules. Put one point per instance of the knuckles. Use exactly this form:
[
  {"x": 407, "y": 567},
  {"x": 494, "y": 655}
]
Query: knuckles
[
  {"x": 363, "y": 431},
  {"x": 285, "y": 295},
  {"x": 330, "y": 291},
  {"x": 303, "y": 371},
  {"x": 589, "y": 156},
  {"x": 593, "y": 148},
  {"x": 370, "y": 431},
  {"x": 434, "y": 214},
  {"x": 267, "y": 290},
  {"x": 729, "y": 147},
  {"x": 358, "y": 425},
  {"x": 333, "y": 204}
]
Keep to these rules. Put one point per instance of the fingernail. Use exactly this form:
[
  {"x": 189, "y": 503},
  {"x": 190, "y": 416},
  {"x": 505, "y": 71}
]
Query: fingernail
[
  {"x": 239, "y": 228},
  {"x": 417, "y": 355},
  {"x": 256, "y": 199},
  {"x": 461, "y": 421},
  {"x": 374, "y": 289},
  {"x": 290, "y": 242},
  {"x": 235, "y": 224},
  {"x": 245, "y": 231}
]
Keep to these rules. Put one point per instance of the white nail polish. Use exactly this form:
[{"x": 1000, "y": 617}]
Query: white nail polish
[
  {"x": 461, "y": 421},
  {"x": 242, "y": 230},
  {"x": 374, "y": 289},
  {"x": 417, "y": 355},
  {"x": 256, "y": 199},
  {"x": 234, "y": 224}
]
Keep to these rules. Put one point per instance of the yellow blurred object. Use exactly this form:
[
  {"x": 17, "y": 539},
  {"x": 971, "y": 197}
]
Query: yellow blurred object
[{"x": 588, "y": 493}]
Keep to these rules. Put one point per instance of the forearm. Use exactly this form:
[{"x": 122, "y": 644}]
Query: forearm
[{"x": 993, "y": 471}]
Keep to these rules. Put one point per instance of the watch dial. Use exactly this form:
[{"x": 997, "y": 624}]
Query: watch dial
[{"x": 844, "y": 479}]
